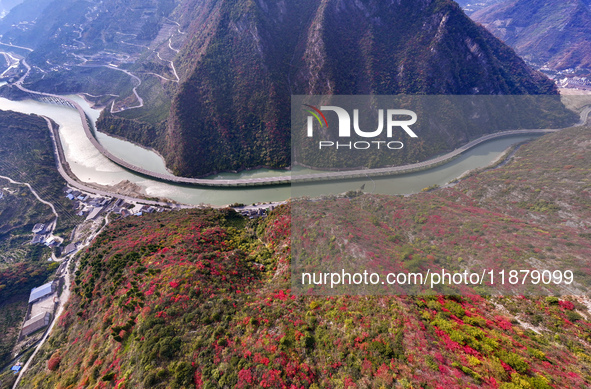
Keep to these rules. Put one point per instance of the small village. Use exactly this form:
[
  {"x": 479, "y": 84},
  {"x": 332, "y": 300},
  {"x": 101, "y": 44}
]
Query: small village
[{"x": 91, "y": 207}]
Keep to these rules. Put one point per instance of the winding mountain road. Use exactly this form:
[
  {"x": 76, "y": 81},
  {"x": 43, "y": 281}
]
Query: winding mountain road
[
  {"x": 18, "y": 47},
  {"x": 36, "y": 196},
  {"x": 133, "y": 76}
]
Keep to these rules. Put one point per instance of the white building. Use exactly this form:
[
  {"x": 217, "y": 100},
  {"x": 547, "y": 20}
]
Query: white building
[
  {"x": 36, "y": 322},
  {"x": 41, "y": 292}
]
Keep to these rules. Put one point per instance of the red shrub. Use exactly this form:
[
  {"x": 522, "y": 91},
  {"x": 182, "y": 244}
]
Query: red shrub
[
  {"x": 567, "y": 305},
  {"x": 54, "y": 362}
]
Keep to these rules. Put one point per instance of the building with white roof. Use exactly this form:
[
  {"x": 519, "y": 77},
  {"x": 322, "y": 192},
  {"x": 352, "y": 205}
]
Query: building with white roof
[
  {"x": 39, "y": 228},
  {"x": 36, "y": 322},
  {"x": 41, "y": 292}
]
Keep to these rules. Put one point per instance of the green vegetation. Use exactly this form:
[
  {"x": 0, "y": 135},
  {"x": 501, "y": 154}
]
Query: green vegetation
[
  {"x": 133, "y": 130},
  {"x": 149, "y": 29},
  {"x": 95, "y": 80},
  {"x": 26, "y": 155},
  {"x": 231, "y": 110},
  {"x": 19, "y": 212},
  {"x": 29, "y": 157}
]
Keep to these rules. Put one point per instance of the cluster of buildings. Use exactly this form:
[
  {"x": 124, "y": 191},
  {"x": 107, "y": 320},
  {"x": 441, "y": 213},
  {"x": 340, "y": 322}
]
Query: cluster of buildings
[
  {"x": 92, "y": 207},
  {"x": 575, "y": 82},
  {"x": 255, "y": 212},
  {"x": 87, "y": 205},
  {"x": 24, "y": 25},
  {"x": 143, "y": 209},
  {"x": 41, "y": 306},
  {"x": 569, "y": 78},
  {"x": 125, "y": 209},
  {"x": 42, "y": 235}
]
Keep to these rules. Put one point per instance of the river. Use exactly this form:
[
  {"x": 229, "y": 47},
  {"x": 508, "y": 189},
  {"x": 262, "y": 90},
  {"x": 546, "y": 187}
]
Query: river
[{"x": 91, "y": 166}]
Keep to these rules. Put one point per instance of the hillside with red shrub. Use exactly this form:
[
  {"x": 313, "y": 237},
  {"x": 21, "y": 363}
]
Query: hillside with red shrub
[{"x": 203, "y": 298}]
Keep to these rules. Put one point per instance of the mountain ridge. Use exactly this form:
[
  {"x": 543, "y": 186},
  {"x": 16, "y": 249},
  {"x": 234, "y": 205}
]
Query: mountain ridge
[
  {"x": 552, "y": 33},
  {"x": 232, "y": 112}
]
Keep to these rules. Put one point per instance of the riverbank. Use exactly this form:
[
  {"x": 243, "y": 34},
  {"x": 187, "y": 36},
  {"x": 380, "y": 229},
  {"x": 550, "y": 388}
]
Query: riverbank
[
  {"x": 90, "y": 167},
  {"x": 272, "y": 181},
  {"x": 64, "y": 169}
]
